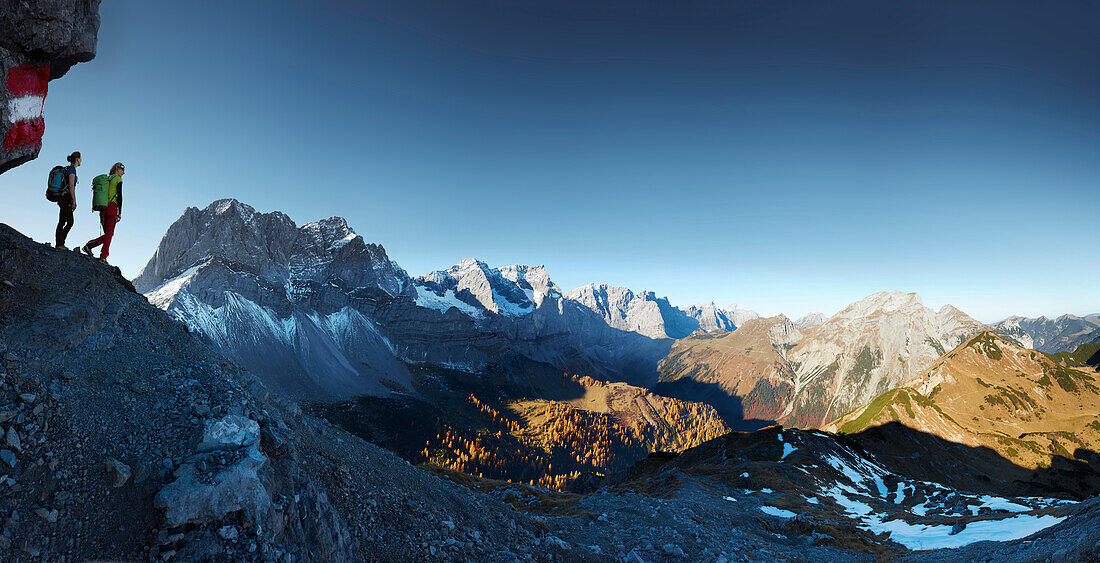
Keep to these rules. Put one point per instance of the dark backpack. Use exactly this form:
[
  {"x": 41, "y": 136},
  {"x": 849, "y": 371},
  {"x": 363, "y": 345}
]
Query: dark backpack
[{"x": 57, "y": 186}]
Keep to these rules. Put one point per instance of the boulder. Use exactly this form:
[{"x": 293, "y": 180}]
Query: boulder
[
  {"x": 211, "y": 485},
  {"x": 118, "y": 472}
]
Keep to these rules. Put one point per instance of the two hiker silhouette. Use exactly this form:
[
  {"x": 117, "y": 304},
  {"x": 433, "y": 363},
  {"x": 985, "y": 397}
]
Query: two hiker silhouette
[{"x": 106, "y": 199}]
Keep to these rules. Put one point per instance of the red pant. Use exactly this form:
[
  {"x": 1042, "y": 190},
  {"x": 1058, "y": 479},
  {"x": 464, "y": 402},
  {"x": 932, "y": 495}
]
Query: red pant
[{"x": 107, "y": 217}]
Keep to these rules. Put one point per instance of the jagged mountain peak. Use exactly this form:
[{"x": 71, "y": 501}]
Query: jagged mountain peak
[
  {"x": 514, "y": 290},
  {"x": 810, "y": 320},
  {"x": 225, "y": 205},
  {"x": 641, "y": 312}
]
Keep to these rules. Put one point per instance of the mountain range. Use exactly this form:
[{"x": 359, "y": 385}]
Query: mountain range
[
  {"x": 1063, "y": 334},
  {"x": 317, "y": 311}
]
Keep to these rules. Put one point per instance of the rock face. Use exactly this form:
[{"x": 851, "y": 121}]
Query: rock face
[
  {"x": 643, "y": 313},
  {"x": 1063, "y": 334},
  {"x": 39, "y": 41},
  {"x": 870, "y": 347},
  {"x": 293, "y": 304},
  {"x": 711, "y": 318}
]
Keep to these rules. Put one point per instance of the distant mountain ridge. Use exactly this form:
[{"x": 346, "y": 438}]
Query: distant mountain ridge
[
  {"x": 1063, "y": 334},
  {"x": 774, "y": 370},
  {"x": 712, "y": 318}
]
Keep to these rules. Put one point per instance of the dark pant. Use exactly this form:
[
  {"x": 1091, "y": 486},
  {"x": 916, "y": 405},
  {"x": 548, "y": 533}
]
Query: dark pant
[
  {"x": 64, "y": 221},
  {"x": 107, "y": 218}
]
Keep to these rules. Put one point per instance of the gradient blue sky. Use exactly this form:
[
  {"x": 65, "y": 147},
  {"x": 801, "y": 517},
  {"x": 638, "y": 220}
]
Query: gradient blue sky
[{"x": 789, "y": 156}]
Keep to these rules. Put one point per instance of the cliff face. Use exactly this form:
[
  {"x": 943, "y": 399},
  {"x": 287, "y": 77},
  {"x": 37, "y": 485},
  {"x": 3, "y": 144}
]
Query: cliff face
[{"x": 39, "y": 41}]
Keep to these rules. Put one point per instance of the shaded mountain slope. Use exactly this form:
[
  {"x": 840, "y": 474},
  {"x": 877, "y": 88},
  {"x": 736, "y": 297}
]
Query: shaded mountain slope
[
  {"x": 548, "y": 429},
  {"x": 316, "y": 311},
  {"x": 828, "y": 489}
]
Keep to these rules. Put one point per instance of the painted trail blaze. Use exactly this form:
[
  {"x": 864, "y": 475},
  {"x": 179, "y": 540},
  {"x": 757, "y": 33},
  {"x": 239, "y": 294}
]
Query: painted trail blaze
[{"x": 27, "y": 85}]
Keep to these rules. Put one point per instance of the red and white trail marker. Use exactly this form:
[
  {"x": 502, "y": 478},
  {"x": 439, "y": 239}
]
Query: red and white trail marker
[{"x": 27, "y": 85}]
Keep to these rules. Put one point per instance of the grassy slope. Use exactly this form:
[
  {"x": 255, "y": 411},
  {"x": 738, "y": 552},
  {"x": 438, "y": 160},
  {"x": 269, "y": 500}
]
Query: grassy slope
[{"x": 990, "y": 392}]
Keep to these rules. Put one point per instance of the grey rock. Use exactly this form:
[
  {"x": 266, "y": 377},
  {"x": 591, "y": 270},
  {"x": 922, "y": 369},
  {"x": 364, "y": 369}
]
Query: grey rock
[
  {"x": 227, "y": 532},
  {"x": 118, "y": 471},
  {"x": 321, "y": 279},
  {"x": 8, "y": 456},
  {"x": 228, "y": 433},
  {"x": 47, "y": 515},
  {"x": 12, "y": 439},
  {"x": 28, "y": 398},
  {"x": 67, "y": 374},
  {"x": 142, "y": 472},
  {"x": 672, "y": 550},
  {"x": 208, "y": 486},
  {"x": 644, "y": 313}
]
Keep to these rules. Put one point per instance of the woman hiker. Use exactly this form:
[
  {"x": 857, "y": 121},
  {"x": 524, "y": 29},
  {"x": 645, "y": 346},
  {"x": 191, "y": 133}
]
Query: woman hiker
[
  {"x": 67, "y": 203},
  {"x": 109, "y": 214}
]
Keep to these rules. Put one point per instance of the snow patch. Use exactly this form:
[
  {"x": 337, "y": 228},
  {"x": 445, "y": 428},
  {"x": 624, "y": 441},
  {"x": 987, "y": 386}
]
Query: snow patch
[
  {"x": 777, "y": 512},
  {"x": 429, "y": 300},
  {"x": 162, "y": 296}
]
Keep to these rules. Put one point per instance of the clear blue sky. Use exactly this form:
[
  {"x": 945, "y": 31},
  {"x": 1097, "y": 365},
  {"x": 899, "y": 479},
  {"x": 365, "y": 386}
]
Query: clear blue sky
[{"x": 789, "y": 156}]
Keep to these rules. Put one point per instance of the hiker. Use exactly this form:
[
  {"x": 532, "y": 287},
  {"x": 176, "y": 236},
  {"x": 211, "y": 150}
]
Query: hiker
[
  {"x": 64, "y": 193},
  {"x": 107, "y": 199}
]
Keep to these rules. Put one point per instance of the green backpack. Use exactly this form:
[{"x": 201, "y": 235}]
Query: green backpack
[{"x": 101, "y": 185}]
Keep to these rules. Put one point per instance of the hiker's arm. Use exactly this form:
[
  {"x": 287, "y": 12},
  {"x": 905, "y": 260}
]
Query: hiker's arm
[
  {"x": 119, "y": 201},
  {"x": 72, "y": 188}
]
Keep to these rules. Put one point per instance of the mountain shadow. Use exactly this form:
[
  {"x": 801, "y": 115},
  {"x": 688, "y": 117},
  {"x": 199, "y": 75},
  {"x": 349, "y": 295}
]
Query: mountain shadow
[
  {"x": 535, "y": 425},
  {"x": 729, "y": 407},
  {"x": 927, "y": 457}
]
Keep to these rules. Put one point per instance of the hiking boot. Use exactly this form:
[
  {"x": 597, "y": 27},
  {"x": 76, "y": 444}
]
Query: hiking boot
[
  {"x": 86, "y": 250},
  {"x": 60, "y": 247},
  {"x": 102, "y": 259}
]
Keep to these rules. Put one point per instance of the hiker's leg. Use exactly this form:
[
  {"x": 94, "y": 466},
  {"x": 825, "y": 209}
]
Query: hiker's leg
[
  {"x": 109, "y": 216},
  {"x": 64, "y": 223},
  {"x": 99, "y": 240}
]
